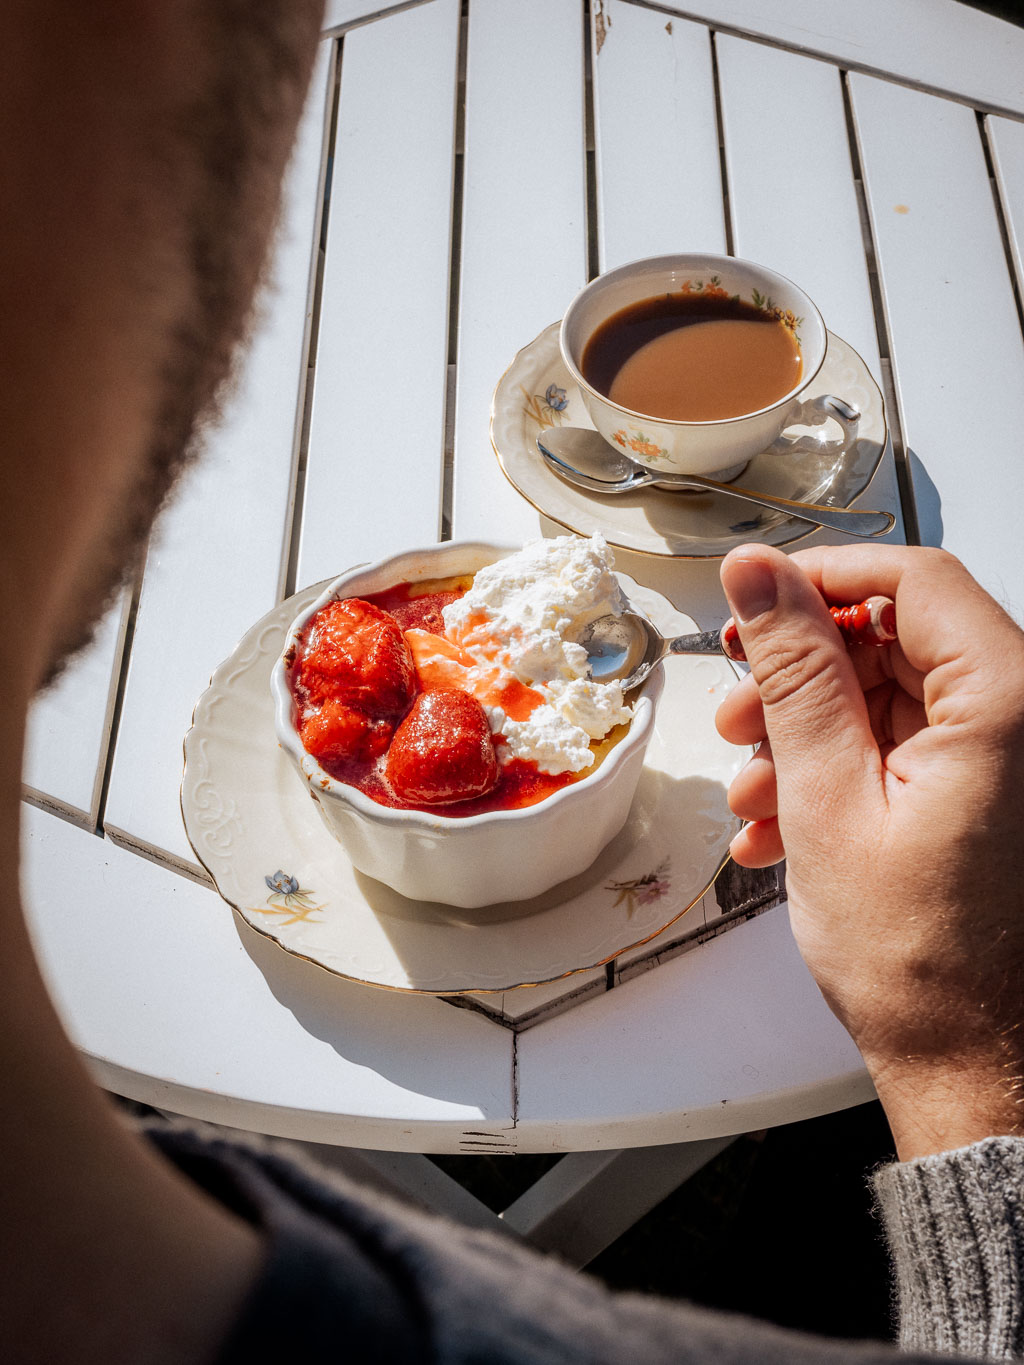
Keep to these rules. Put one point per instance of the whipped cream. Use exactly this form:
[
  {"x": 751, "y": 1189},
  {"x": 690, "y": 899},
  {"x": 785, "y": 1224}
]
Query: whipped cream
[{"x": 523, "y": 616}]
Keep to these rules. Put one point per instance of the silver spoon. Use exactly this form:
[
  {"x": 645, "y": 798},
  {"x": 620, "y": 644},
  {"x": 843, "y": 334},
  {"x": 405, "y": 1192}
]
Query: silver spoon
[
  {"x": 583, "y": 457},
  {"x": 627, "y": 647}
]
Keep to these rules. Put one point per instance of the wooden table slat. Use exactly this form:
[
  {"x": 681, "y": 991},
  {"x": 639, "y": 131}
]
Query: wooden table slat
[
  {"x": 523, "y": 249},
  {"x": 230, "y": 1028},
  {"x": 659, "y": 182},
  {"x": 958, "y": 355},
  {"x": 341, "y": 14},
  {"x": 1006, "y": 140},
  {"x": 376, "y": 444},
  {"x": 69, "y": 726},
  {"x": 938, "y": 44},
  {"x": 791, "y": 186},
  {"x": 215, "y": 561},
  {"x": 611, "y": 1084},
  {"x": 794, "y": 204}
]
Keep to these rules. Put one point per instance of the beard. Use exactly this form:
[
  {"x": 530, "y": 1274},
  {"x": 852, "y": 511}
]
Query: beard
[{"x": 224, "y": 151}]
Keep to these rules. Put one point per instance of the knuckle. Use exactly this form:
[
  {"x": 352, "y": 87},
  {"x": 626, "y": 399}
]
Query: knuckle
[
  {"x": 805, "y": 673},
  {"x": 943, "y": 572},
  {"x": 934, "y": 557}
]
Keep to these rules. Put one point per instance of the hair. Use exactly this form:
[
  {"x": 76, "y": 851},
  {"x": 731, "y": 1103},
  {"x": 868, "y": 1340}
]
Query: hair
[{"x": 206, "y": 201}]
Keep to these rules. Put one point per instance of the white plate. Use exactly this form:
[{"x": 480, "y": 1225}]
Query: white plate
[
  {"x": 250, "y": 820},
  {"x": 537, "y": 391}
]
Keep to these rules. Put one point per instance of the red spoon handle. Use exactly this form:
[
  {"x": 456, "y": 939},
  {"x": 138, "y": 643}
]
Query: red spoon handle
[{"x": 871, "y": 622}]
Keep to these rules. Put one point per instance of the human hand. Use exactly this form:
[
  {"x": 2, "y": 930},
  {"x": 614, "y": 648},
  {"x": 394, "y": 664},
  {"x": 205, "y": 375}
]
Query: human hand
[{"x": 891, "y": 779}]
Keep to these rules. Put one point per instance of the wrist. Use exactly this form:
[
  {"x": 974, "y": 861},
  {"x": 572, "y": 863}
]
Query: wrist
[{"x": 940, "y": 1105}]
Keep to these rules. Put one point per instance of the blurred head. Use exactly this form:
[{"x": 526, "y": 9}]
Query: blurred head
[{"x": 145, "y": 150}]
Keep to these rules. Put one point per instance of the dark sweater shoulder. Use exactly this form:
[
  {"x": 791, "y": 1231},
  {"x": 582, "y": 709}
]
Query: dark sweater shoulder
[{"x": 352, "y": 1275}]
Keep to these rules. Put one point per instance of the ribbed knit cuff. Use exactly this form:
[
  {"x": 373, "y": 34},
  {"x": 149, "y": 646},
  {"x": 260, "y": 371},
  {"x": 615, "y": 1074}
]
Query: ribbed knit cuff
[{"x": 955, "y": 1227}]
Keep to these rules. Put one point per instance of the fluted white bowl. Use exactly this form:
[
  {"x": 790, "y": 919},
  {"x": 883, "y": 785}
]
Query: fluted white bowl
[{"x": 471, "y": 860}]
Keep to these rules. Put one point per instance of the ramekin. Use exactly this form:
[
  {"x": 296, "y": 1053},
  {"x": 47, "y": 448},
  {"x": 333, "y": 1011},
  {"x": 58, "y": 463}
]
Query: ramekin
[{"x": 472, "y": 860}]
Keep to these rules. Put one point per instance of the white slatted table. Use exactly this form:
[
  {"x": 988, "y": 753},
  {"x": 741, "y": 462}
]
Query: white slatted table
[{"x": 460, "y": 171}]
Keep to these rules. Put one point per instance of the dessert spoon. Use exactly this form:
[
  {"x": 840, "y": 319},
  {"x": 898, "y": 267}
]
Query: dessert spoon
[
  {"x": 628, "y": 647},
  {"x": 583, "y": 457}
]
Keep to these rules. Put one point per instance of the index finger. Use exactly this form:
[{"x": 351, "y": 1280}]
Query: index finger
[{"x": 942, "y": 613}]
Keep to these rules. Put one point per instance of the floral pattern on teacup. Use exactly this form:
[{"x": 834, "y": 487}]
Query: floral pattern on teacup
[
  {"x": 709, "y": 289},
  {"x": 712, "y": 289},
  {"x": 640, "y": 444},
  {"x": 784, "y": 315}
]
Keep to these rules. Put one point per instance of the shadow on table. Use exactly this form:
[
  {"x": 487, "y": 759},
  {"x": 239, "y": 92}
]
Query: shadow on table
[
  {"x": 388, "y": 1032},
  {"x": 927, "y": 503},
  {"x": 676, "y": 822}
]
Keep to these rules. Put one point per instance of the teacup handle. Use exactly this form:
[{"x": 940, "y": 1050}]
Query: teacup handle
[{"x": 814, "y": 413}]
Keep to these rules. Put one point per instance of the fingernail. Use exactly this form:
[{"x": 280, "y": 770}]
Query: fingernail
[{"x": 750, "y": 587}]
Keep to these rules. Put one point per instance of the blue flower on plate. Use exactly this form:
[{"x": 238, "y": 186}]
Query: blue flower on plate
[
  {"x": 556, "y": 398},
  {"x": 287, "y": 903},
  {"x": 282, "y": 883},
  {"x": 741, "y": 527}
]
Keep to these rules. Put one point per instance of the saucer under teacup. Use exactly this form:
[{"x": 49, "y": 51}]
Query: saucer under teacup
[{"x": 537, "y": 392}]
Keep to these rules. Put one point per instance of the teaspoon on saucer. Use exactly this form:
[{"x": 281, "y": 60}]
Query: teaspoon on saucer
[
  {"x": 628, "y": 647},
  {"x": 583, "y": 457}
]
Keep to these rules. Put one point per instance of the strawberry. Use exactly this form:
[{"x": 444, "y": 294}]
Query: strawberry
[
  {"x": 356, "y": 653},
  {"x": 338, "y": 732},
  {"x": 443, "y": 750}
]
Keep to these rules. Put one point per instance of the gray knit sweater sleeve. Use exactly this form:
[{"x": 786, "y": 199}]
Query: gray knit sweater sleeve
[{"x": 955, "y": 1227}]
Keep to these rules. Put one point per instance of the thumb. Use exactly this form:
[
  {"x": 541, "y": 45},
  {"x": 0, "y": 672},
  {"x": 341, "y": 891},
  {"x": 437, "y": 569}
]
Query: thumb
[{"x": 815, "y": 714}]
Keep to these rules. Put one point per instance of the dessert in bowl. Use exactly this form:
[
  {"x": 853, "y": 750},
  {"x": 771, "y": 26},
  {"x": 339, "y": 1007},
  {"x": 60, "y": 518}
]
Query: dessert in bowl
[{"x": 437, "y": 706}]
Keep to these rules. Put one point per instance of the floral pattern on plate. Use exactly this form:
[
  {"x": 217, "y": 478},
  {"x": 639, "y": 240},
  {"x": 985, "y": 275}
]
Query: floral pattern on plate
[
  {"x": 287, "y": 900},
  {"x": 643, "y": 890},
  {"x": 547, "y": 409}
]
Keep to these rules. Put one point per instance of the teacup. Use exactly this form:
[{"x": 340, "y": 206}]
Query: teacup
[{"x": 721, "y": 447}]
